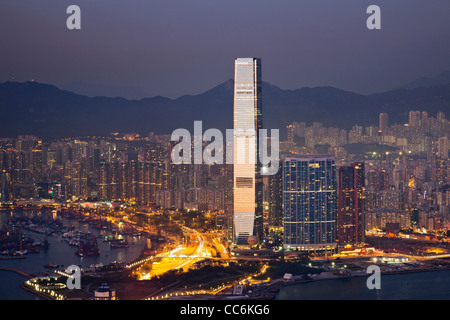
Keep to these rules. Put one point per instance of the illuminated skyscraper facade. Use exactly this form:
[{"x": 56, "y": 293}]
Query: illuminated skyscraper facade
[
  {"x": 351, "y": 186},
  {"x": 247, "y": 120},
  {"x": 309, "y": 203},
  {"x": 383, "y": 123}
]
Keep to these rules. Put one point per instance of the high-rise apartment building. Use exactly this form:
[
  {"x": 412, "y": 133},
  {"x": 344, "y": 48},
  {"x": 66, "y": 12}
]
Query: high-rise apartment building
[
  {"x": 6, "y": 186},
  {"x": 309, "y": 203},
  {"x": 275, "y": 199},
  {"x": 443, "y": 145},
  {"x": 350, "y": 213},
  {"x": 247, "y": 180},
  {"x": 377, "y": 180},
  {"x": 414, "y": 118},
  {"x": 441, "y": 122},
  {"x": 384, "y": 123},
  {"x": 114, "y": 180},
  {"x": 424, "y": 120},
  {"x": 37, "y": 156},
  {"x": 103, "y": 185},
  {"x": 78, "y": 179}
]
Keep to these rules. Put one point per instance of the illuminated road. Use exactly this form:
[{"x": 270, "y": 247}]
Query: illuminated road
[{"x": 182, "y": 257}]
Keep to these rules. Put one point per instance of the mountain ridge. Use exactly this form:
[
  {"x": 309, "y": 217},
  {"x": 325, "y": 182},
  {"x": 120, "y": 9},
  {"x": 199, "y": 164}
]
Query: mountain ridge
[
  {"x": 46, "y": 111},
  {"x": 440, "y": 79}
]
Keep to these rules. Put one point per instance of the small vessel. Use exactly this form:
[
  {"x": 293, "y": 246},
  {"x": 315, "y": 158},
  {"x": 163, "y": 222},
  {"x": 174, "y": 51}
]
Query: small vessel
[
  {"x": 88, "y": 248},
  {"x": 20, "y": 252},
  {"x": 51, "y": 265},
  {"x": 118, "y": 243}
]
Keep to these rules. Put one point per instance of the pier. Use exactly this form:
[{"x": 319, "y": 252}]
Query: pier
[{"x": 22, "y": 273}]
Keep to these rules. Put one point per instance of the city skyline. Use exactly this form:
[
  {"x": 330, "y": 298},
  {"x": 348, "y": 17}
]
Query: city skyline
[
  {"x": 404, "y": 187},
  {"x": 106, "y": 198}
]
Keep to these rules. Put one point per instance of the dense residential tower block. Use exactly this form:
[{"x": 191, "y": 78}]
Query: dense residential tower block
[{"x": 383, "y": 123}]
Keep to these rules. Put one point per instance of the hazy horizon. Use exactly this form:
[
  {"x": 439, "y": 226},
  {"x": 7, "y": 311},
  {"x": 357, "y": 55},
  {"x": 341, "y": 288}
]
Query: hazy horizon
[
  {"x": 85, "y": 89},
  {"x": 176, "y": 48}
]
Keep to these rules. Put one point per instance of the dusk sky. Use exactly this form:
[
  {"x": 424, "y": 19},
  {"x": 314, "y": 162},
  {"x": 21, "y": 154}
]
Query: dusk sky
[{"x": 137, "y": 48}]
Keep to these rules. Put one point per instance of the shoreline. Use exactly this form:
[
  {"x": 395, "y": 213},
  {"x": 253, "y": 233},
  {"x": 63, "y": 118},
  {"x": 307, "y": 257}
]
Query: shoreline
[
  {"x": 278, "y": 283},
  {"x": 34, "y": 292}
]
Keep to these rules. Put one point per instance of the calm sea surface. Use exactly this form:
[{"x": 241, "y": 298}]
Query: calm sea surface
[
  {"x": 431, "y": 285},
  {"x": 10, "y": 287}
]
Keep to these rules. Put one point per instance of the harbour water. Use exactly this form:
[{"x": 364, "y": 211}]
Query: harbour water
[
  {"x": 59, "y": 253},
  {"x": 429, "y": 285},
  {"x": 10, "y": 287}
]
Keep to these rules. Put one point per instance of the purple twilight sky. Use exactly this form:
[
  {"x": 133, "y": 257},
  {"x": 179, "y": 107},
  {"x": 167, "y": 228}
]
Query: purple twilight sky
[{"x": 137, "y": 48}]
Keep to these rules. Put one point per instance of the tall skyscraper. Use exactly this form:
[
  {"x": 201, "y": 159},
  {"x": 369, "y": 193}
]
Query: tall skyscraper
[
  {"x": 384, "y": 123},
  {"x": 103, "y": 179},
  {"x": 424, "y": 120},
  {"x": 350, "y": 215},
  {"x": 78, "y": 179},
  {"x": 247, "y": 180},
  {"x": 414, "y": 118},
  {"x": 377, "y": 180},
  {"x": 443, "y": 145},
  {"x": 441, "y": 122},
  {"x": 37, "y": 161},
  {"x": 6, "y": 186},
  {"x": 309, "y": 203},
  {"x": 114, "y": 180},
  {"x": 124, "y": 187},
  {"x": 275, "y": 199}
]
